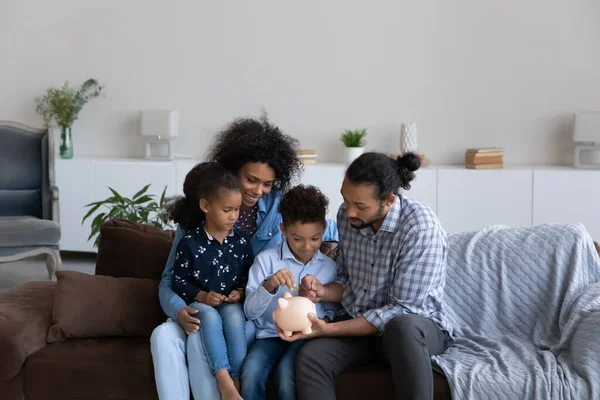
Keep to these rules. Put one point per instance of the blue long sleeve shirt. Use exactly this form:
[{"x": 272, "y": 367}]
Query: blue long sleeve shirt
[{"x": 260, "y": 304}]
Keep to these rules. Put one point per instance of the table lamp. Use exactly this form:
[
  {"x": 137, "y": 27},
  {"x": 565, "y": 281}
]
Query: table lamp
[{"x": 159, "y": 128}]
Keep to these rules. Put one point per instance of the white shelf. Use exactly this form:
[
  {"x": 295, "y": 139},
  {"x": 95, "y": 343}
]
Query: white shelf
[{"x": 464, "y": 199}]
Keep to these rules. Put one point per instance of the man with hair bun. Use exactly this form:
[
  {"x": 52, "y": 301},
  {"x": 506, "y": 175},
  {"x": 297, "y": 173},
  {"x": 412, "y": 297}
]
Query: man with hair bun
[{"x": 390, "y": 283}]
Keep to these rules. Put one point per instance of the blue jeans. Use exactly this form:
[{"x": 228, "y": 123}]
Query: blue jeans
[
  {"x": 223, "y": 338},
  {"x": 264, "y": 356},
  {"x": 170, "y": 346}
]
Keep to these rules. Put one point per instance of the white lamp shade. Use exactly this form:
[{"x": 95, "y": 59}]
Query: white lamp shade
[
  {"x": 159, "y": 123},
  {"x": 587, "y": 127}
]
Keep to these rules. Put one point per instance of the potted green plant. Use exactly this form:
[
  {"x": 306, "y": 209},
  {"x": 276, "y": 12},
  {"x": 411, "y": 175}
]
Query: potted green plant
[
  {"x": 62, "y": 106},
  {"x": 354, "y": 140},
  {"x": 142, "y": 208}
]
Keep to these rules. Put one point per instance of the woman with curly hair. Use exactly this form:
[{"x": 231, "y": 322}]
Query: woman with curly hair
[{"x": 265, "y": 163}]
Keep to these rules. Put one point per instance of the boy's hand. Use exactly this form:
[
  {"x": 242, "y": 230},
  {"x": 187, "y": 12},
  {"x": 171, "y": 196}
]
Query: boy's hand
[
  {"x": 235, "y": 296},
  {"x": 283, "y": 277}
]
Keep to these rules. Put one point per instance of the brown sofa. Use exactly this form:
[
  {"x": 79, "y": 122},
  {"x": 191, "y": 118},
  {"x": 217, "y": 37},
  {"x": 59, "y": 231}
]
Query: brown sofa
[{"x": 58, "y": 342}]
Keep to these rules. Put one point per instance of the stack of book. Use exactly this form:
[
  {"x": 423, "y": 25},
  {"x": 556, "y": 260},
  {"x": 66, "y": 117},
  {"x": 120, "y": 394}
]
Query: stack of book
[
  {"x": 307, "y": 156},
  {"x": 485, "y": 158}
]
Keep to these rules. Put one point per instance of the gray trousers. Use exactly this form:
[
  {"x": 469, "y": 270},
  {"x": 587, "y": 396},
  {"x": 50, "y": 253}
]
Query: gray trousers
[{"x": 406, "y": 343}]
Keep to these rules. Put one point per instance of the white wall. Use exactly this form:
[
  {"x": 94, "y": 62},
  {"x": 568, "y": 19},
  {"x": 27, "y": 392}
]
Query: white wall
[{"x": 469, "y": 72}]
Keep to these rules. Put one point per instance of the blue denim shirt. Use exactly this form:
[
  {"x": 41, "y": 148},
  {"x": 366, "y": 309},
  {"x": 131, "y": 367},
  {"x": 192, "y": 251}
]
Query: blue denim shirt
[{"x": 268, "y": 235}]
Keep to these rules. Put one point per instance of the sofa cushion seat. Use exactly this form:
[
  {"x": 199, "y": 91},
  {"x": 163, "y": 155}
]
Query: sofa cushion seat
[
  {"x": 374, "y": 381},
  {"x": 107, "y": 368},
  {"x": 28, "y": 231}
]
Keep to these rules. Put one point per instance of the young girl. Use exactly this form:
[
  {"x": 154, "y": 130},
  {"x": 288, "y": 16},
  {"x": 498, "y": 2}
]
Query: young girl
[{"x": 211, "y": 268}]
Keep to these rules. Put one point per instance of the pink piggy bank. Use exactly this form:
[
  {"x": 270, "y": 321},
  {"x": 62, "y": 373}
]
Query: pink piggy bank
[{"x": 292, "y": 314}]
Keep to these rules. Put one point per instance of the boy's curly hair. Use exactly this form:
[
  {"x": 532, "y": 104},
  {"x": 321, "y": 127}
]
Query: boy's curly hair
[
  {"x": 250, "y": 140},
  {"x": 305, "y": 204}
]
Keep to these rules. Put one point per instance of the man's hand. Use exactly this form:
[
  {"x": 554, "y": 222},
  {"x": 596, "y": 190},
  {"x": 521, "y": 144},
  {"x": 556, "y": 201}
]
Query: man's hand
[
  {"x": 318, "y": 330},
  {"x": 235, "y": 296},
  {"x": 188, "y": 323},
  {"x": 311, "y": 288},
  {"x": 283, "y": 277}
]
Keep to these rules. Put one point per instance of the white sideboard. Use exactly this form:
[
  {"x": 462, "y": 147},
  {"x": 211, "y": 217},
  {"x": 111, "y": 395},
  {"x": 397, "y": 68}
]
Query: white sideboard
[{"x": 463, "y": 199}]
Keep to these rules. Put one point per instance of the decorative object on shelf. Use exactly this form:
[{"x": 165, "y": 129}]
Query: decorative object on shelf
[
  {"x": 408, "y": 138},
  {"x": 586, "y": 136},
  {"x": 484, "y": 158},
  {"x": 354, "y": 140},
  {"x": 142, "y": 208},
  {"x": 62, "y": 106},
  {"x": 159, "y": 128},
  {"x": 307, "y": 156}
]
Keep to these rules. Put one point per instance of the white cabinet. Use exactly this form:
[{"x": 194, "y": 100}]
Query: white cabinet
[
  {"x": 567, "y": 196},
  {"x": 424, "y": 187},
  {"x": 127, "y": 178},
  {"x": 471, "y": 199},
  {"x": 75, "y": 181},
  {"x": 84, "y": 180},
  {"x": 464, "y": 200}
]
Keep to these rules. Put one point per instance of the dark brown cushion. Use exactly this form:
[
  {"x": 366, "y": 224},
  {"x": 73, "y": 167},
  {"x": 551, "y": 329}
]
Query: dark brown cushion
[
  {"x": 133, "y": 250},
  {"x": 92, "y": 369},
  {"x": 25, "y": 316},
  {"x": 96, "y": 306}
]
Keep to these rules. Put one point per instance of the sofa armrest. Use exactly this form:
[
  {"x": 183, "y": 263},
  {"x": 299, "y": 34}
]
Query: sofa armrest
[{"x": 25, "y": 318}]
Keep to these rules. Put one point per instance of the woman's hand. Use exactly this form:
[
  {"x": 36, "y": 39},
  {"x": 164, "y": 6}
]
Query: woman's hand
[{"x": 187, "y": 322}]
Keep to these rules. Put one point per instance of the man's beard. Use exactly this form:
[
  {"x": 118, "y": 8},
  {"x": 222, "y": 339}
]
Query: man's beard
[{"x": 364, "y": 225}]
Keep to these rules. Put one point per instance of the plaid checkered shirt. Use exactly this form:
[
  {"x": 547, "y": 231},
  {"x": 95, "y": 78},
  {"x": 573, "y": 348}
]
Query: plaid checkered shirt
[{"x": 401, "y": 269}]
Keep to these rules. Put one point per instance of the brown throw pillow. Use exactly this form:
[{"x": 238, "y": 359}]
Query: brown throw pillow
[
  {"x": 133, "y": 250},
  {"x": 97, "y": 306}
]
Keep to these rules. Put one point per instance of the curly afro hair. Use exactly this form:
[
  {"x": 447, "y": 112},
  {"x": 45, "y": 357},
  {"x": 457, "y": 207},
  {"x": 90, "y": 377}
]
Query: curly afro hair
[
  {"x": 250, "y": 140},
  {"x": 305, "y": 204}
]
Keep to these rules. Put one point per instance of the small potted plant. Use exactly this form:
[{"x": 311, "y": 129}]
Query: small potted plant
[
  {"x": 63, "y": 105},
  {"x": 354, "y": 140}
]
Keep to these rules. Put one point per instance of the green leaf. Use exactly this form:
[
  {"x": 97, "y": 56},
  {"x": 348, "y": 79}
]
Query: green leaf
[
  {"x": 92, "y": 210},
  {"x": 141, "y": 192},
  {"x": 118, "y": 197},
  {"x": 97, "y": 224},
  {"x": 143, "y": 199},
  {"x": 162, "y": 197}
]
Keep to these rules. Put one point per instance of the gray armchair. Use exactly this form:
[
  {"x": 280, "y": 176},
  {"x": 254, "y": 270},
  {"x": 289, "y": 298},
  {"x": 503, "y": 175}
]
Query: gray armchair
[{"x": 29, "y": 223}]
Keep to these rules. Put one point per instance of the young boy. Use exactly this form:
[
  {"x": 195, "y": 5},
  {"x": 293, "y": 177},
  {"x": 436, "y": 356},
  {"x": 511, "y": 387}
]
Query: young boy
[{"x": 274, "y": 272}]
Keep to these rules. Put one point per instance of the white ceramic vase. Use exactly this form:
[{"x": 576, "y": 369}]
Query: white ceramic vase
[
  {"x": 408, "y": 138},
  {"x": 352, "y": 153}
]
